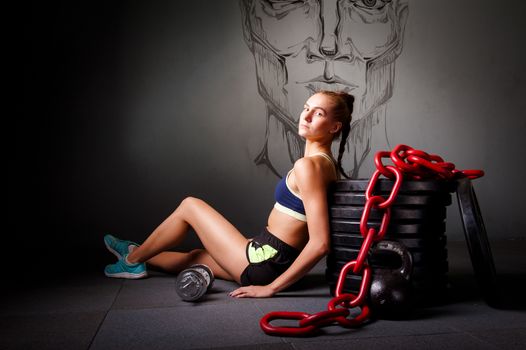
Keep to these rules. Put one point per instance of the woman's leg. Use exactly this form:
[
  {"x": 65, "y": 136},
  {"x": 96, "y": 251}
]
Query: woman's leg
[
  {"x": 175, "y": 262},
  {"x": 223, "y": 243}
]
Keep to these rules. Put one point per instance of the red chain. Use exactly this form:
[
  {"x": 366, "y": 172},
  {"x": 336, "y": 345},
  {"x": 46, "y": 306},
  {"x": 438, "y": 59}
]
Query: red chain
[{"x": 408, "y": 163}]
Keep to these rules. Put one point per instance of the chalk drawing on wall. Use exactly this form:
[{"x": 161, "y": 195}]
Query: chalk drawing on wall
[{"x": 302, "y": 46}]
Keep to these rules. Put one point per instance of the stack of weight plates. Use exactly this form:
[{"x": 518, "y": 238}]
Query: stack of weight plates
[{"x": 417, "y": 221}]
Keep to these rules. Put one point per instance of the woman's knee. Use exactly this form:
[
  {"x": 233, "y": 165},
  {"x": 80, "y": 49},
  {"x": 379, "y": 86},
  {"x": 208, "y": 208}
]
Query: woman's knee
[
  {"x": 188, "y": 204},
  {"x": 189, "y": 201}
]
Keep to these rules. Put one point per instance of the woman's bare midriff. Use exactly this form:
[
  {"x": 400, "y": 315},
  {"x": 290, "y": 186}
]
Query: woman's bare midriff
[{"x": 288, "y": 229}]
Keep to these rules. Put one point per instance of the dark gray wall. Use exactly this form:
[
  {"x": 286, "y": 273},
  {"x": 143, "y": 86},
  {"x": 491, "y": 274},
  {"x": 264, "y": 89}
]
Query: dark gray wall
[
  {"x": 460, "y": 92},
  {"x": 128, "y": 107}
]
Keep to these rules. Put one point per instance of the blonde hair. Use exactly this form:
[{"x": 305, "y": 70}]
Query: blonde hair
[{"x": 342, "y": 112}]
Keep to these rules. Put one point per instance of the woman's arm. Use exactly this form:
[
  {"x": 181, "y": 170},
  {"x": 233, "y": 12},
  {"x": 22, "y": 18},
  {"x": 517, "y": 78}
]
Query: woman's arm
[{"x": 312, "y": 183}]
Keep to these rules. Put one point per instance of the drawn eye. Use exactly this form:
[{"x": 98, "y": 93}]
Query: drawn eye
[
  {"x": 370, "y": 4},
  {"x": 281, "y": 6}
]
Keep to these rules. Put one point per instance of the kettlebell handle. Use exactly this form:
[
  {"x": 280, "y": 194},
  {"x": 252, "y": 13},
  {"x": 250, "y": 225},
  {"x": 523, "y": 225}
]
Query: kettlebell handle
[{"x": 399, "y": 249}]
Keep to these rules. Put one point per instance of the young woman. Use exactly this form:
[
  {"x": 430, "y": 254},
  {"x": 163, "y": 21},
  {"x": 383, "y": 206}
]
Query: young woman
[{"x": 297, "y": 233}]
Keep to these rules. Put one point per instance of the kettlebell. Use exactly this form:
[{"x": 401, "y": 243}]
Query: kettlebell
[
  {"x": 390, "y": 294},
  {"x": 191, "y": 284}
]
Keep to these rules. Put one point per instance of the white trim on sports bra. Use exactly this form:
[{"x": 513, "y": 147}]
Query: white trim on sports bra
[
  {"x": 287, "y": 184},
  {"x": 329, "y": 158},
  {"x": 324, "y": 155},
  {"x": 291, "y": 212}
]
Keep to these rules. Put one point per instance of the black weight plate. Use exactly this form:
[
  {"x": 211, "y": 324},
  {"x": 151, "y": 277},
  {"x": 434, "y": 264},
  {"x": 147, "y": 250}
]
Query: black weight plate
[
  {"x": 436, "y": 266},
  {"x": 439, "y": 265},
  {"x": 333, "y": 276},
  {"x": 341, "y": 253},
  {"x": 419, "y": 228},
  {"x": 348, "y": 287},
  {"x": 352, "y": 283},
  {"x": 437, "y": 279},
  {"x": 358, "y": 199},
  {"x": 424, "y": 295},
  {"x": 477, "y": 241},
  {"x": 419, "y": 272},
  {"x": 435, "y": 252},
  {"x": 354, "y": 240},
  {"x": 351, "y": 280},
  {"x": 432, "y": 249},
  {"x": 346, "y": 239},
  {"x": 397, "y": 213},
  {"x": 419, "y": 258},
  {"x": 421, "y": 289},
  {"x": 385, "y": 185}
]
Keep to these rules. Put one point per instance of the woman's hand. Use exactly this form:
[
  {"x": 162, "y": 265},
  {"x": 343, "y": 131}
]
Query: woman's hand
[{"x": 252, "y": 292}]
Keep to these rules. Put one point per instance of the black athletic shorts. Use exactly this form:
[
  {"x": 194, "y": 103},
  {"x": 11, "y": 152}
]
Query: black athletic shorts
[{"x": 268, "y": 257}]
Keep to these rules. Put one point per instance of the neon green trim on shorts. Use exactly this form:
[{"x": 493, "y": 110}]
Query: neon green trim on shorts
[{"x": 261, "y": 253}]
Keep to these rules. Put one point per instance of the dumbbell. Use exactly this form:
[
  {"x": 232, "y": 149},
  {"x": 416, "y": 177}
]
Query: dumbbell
[{"x": 191, "y": 284}]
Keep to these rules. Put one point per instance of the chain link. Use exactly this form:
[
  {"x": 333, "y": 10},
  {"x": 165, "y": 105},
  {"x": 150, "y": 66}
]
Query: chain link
[{"x": 408, "y": 163}]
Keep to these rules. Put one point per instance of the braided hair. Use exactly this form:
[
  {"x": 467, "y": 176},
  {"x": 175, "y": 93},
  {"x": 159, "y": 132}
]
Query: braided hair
[{"x": 342, "y": 112}]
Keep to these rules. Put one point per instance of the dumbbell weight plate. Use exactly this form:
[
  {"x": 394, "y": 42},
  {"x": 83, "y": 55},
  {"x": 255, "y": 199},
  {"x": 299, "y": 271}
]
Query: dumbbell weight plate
[
  {"x": 207, "y": 274},
  {"x": 192, "y": 283}
]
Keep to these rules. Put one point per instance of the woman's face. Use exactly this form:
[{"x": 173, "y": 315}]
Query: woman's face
[{"x": 317, "y": 122}]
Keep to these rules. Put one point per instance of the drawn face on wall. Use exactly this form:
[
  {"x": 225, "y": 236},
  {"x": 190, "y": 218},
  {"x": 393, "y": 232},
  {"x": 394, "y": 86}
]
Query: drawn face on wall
[{"x": 301, "y": 46}]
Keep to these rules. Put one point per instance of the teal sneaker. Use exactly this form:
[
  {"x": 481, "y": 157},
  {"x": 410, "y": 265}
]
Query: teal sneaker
[
  {"x": 121, "y": 269},
  {"x": 118, "y": 247}
]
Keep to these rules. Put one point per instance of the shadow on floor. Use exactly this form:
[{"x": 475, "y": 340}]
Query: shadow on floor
[{"x": 510, "y": 293}]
